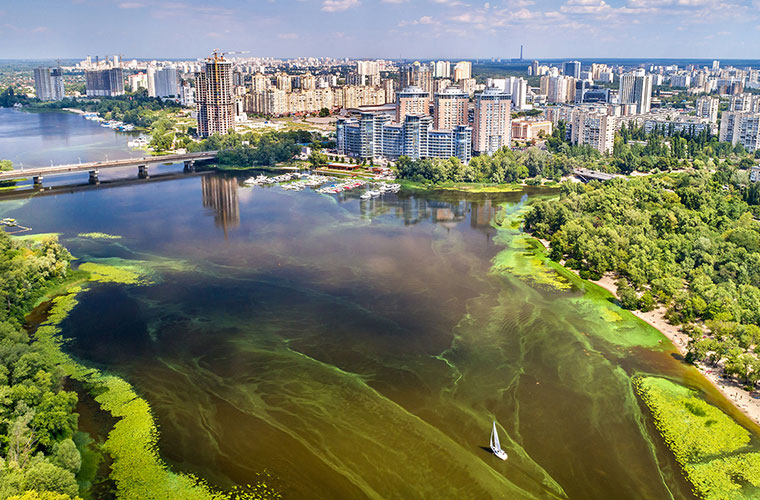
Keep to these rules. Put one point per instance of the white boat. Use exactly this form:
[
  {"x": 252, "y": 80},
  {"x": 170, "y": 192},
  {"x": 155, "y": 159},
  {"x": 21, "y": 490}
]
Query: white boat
[
  {"x": 495, "y": 445},
  {"x": 366, "y": 195}
]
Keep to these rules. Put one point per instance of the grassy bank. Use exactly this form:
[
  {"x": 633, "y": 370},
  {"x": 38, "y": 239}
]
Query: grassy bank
[
  {"x": 712, "y": 449},
  {"x": 467, "y": 187}
]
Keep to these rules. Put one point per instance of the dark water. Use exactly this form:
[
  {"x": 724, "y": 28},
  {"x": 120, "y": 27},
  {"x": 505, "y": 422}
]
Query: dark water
[{"x": 360, "y": 350}]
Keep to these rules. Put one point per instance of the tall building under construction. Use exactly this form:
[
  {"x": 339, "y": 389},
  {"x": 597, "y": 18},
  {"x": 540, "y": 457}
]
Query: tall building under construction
[{"x": 214, "y": 97}]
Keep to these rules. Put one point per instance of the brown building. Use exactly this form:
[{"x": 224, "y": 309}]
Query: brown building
[
  {"x": 215, "y": 98},
  {"x": 450, "y": 109},
  {"x": 491, "y": 129},
  {"x": 412, "y": 101},
  {"x": 529, "y": 130}
]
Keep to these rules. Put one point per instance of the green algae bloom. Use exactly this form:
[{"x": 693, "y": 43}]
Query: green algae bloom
[
  {"x": 712, "y": 449},
  {"x": 99, "y": 236}
]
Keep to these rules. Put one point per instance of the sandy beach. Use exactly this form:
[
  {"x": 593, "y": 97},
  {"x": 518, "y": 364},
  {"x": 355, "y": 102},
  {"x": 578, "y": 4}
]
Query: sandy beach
[{"x": 729, "y": 387}]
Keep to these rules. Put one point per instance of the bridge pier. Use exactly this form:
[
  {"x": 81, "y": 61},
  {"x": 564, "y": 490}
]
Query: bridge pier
[
  {"x": 94, "y": 177},
  {"x": 189, "y": 166},
  {"x": 37, "y": 181},
  {"x": 142, "y": 172}
]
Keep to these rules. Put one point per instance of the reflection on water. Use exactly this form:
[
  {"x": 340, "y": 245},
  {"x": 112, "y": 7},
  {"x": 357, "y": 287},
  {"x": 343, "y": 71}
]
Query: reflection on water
[{"x": 221, "y": 195}]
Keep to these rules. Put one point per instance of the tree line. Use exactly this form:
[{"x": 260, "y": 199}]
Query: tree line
[
  {"x": 39, "y": 443},
  {"x": 687, "y": 241},
  {"x": 255, "y": 149}
]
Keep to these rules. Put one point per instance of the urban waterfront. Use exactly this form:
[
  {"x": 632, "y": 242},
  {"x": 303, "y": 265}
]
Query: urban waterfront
[{"x": 352, "y": 349}]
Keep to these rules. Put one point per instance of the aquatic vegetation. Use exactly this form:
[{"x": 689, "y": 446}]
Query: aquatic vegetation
[
  {"x": 125, "y": 274},
  {"x": 137, "y": 469},
  {"x": 99, "y": 236},
  {"x": 709, "y": 445},
  {"x": 522, "y": 255}
]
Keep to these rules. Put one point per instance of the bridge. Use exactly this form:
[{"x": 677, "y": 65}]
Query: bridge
[
  {"x": 38, "y": 173},
  {"x": 587, "y": 175}
]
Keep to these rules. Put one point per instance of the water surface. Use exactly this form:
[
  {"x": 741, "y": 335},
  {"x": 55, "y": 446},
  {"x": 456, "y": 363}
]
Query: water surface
[{"x": 353, "y": 349}]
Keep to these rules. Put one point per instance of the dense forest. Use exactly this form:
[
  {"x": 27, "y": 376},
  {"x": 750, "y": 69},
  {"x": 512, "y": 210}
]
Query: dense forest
[
  {"x": 687, "y": 241},
  {"x": 38, "y": 438}
]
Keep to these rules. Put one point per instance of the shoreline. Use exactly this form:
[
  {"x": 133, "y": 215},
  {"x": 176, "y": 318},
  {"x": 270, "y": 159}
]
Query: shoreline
[{"x": 730, "y": 388}]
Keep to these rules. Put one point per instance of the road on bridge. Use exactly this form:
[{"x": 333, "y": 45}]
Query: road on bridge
[{"x": 37, "y": 173}]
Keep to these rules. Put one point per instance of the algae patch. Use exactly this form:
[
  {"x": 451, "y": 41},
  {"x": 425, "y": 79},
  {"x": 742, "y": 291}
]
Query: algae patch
[
  {"x": 99, "y": 236},
  {"x": 713, "y": 450},
  {"x": 522, "y": 256},
  {"x": 125, "y": 274}
]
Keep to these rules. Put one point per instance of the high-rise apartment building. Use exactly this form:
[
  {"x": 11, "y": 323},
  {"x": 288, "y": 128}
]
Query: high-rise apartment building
[
  {"x": 450, "y": 108},
  {"x": 369, "y": 73},
  {"x": 516, "y": 87},
  {"x": 166, "y": 82},
  {"x": 741, "y": 128},
  {"x": 284, "y": 82},
  {"x": 259, "y": 83},
  {"x": 558, "y": 89},
  {"x": 462, "y": 70},
  {"x": 48, "y": 84},
  {"x": 374, "y": 136},
  {"x": 214, "y": 97},
  {"x": 491, "y": 128},
  {"x": 593, "y": 128},
  {"x": 636, "y": 88},
  {"x": 105, "y": 82},
  {"x": 308, "y": 82},
  {"x": 150, "y": 76},
  {"x": 442, "y": 69},
  {"x": 138, "y": 81},
  {"x": 744, "y": 103},
  {"x": 390, "y": 90},
  {"x": 417, "y": 75},
  {"x": 707, "y": 107},
  {"x": 572, "y": 69},
  {"x": 412, "y": 101}
]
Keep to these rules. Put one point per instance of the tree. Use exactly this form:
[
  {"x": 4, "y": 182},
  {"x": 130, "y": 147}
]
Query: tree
[
  {"x": 6, "y": 165},
  {"x": 324, "y": 112},
  {"x": 67, "y": 456},
  {"x": 317, "y": 159},
  {"x": 44, "y": 476}
]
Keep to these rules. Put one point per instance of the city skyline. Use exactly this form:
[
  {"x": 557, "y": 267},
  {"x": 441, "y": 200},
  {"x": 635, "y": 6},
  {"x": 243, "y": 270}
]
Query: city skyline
[{"x": 390, "y": 29}]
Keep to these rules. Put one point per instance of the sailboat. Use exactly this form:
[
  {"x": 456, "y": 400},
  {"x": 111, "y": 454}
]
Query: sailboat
[{"x": 495, "y": 445}]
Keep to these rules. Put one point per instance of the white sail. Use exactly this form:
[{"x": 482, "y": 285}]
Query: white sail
[
  {"x": 496, "y": 445},
  {"x": 495, "y": 438}
]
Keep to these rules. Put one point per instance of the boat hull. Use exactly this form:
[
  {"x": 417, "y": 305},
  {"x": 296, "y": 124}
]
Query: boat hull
[{"x": 499, "y": 453}]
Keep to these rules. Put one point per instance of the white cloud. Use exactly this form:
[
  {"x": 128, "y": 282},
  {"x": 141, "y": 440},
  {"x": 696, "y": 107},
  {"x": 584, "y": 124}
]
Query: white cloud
[
  {"x": 450, "y": 3},
  {"x": 585, "y": 7},
  {"x": 288, "y": 36},
  {"x": 423, "y": 20},
  {"x": 131, "y": 5},
  {"x": 338, "y": 5}
]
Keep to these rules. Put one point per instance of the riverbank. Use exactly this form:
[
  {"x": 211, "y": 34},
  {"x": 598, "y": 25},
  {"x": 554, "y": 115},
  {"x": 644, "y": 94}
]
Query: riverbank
[
  {"x": 746, "y": 402},
  {"x": 466, "y": 187}
]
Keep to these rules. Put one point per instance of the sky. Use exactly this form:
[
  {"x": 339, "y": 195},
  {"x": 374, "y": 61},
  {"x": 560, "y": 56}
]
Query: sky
[{"x": 409, "y": 29}]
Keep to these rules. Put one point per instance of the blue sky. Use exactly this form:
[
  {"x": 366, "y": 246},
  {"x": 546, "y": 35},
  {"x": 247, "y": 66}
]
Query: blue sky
[{"x": 382, "y": 28}]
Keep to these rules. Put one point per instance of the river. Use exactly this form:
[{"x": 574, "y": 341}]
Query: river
[{"x": 350, "y": 349}]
